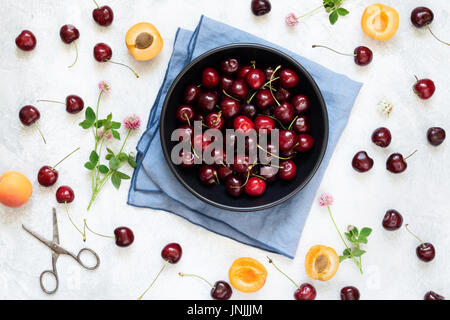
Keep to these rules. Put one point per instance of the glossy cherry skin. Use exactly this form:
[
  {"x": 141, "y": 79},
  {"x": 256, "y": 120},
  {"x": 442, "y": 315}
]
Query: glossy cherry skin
[
  {"x": 172, "y": 253},
  {"x": 305, "y": 142},
  {"x": 288, "y": 78},
  {"x": 214, "y": 120},
  {"x": 435, "y": 136},
  {"x": 74, "y": 104},
  {"x": 264, "y": 123},
  {"x": 395, "y": 163},
  {"x": 425, "y": 252},
  {"x": 69, "y": 33},
  {"x": 47, "y": 176},
  {"x": 382, "y": 137},
  {"x": 187, "y": 159},
  {"x": 207, "y": 174},
  {"x": 282, "y": 95},
  {"x": 421, "y": 16},
  {"x": 242, "y": 123},
  {"x": 124, "y": 236},
  {"x": 350, "y": 293},
  {"x": 260, "y": 7},
  {"x": 233, "y": 185},
  {"x": 201, "y": 141},
  {"x": 242, "y": 72},
  {"x": 288, "y": 170},
  {"x": 255, "y": 187},
  {"x": 29, "y": 115},
  {"x": 300, "y": 103},
  {"x": 249, "y": 110},
  {"x": 65, "y": 194},
  {"x": 229, "y": 66},
  {"x": 225, "y": 83},
  {"x": 241, "y": 164},
  {"x": 284, "y": 112},
  {"x": 363, "y": 56},
  {"x": 185, "y": 114},
  {"x": 230, "y": 108},
  {"x": 301, "y": 124},
  {"x": 207, "y": 100},
  {"x": 103, "y": 15},
  {"x": 269, "y": 173},
  {"x": 264, "y": 99},
  {"x": 102, "y": 52},
  {"x": 424, "y": 88},
  {"x": 255, "y": 78},
  {"x": 239, "y": 89},
  {"x": 431, "y": 295},
  {"x": 392, "y": 220},
  {"x": 305, "y": 292},
  {"x": 224, "y": 172},
  {"x": 210, "y": 78},
  {"x": 287, "y": 140},
  {"x": 221, "y": 291},
  {"x": 191, "y": 94},
  {"x": 26, "y": 40},
  {"x": 186, "y": 131},
  {"x": 362, "y": 162}
]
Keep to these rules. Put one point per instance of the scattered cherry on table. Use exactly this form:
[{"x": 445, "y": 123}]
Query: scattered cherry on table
[
  {"x": 435, "y": 136},
  {"x": 424, "y": 88},
  {"x": 220, "y": 290},
  {"x": 73, "y": 103},
  {"x": 29, "y": 115},
  {"x": 350, "y": 293},
  {"x": 47, "y": 175},
  {"x": 431, "y": 295},
  {"x": 124, "y": 236},
  {"x": 26, "y": 40},
  {"x": 382, "y": 137},
  {"x": 69, "y": 33},
  {"x": 392, "y": 220},
  {"x": 65, "y": 194},
  {"x": 362, "y": 55},
  {"x": 103, "y": 15},
  {"x": 422, "y": 17},
  {"x": 396, "y": 163},
  {"x": 103, "y": 53},
  {"x": 425, "y": 251},
  {"x": 361, "y": 162},
  {"x": 260, "y": 7}
]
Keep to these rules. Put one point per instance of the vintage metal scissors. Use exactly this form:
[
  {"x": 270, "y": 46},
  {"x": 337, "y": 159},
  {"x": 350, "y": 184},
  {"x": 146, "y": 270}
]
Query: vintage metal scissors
[{"x": 58, "y": 250}]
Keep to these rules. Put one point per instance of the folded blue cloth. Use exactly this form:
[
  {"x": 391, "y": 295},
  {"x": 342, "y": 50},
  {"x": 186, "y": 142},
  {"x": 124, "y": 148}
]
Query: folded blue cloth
[{"x": 154, "y": 186}]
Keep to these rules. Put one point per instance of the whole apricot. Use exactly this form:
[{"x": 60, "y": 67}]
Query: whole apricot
[{"x": 15, "y": 189}]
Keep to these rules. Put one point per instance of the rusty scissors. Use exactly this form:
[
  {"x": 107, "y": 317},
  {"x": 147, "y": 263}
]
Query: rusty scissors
[{"x": 57, "y": 251}]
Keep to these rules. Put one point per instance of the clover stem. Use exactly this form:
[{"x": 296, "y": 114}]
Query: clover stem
[
  {"x": 66, "y": 157},
  {"x": 411, "y": 155},
  {"x": 124, "y": 65},
  {"x": 76, "y": 57},
  {"x": 344, "y": 54},
  {"x": 279, "y": 270},
  {"x": 125, "y": 141},
  {"x": 429, "y": 29},
  {"x": 154, "y": 280},
  {"x": 414, "y": 235},
  {"x": 310, "y": 12},
  {"x": 98, "y": 234},
  {"x": 83, "y": 234},
  {"x": 40, "y": 132},
  {"x": 181, "y": 274}
]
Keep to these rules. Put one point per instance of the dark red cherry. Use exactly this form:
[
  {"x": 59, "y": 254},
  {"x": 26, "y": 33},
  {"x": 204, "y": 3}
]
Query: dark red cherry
[
  {"x": 363, "y": 55},
  {"x": 425, "y": 252},
  {"x": 255, "y": 78},
  {"x": 239, "y": 89},
  {"x": 284, "y": 112},
  {"x": 431, "y": 295},
  {"x": 288, "y": 78},
  {"x": 230, "y": 108},
  {"x": 74, "y": 104},
  {"x": 103, "y": 15},
  {"x": 268, "y": 73},
  {"x": 210, "y": 78},
  {"x": 242, "y": 72},
  {"x": 221, "y": 291},
  {"x": 224, "y": 172},
  {"x": 241, "y": 164},
  {"x": 190, "y": 94},
  {"x": 362, "y": 162},
  {"x": 424, "y": 88},
  {"x": 172, "y": 252},
  {"x": 233, "y": 185},
  {"x": 287, "y": 140},
  {"x": 207, "y": 100},
  {"x": 214, "y": 120},
  {"x": 421, "y": 16},
  {"x": 201, "y": 141},
  {"x": 300, "y": 103},
  {"x": 392, "y": 220},
  {"x": 260, "y": 7},
  {"x": 292, "y": 153},
  {"x": 242, "y": 123},
  {"x": 26, "y": 40},
  {"x": 249, "y": 110},
  {"x": 185, "y": 114},
  {"x": 29, "y": 115},
  {"x": 435, "y": 136},
  {"x": 47, "y": 176},
  {"x": 269, "y": 173},
  {"x": 229, "y": 66},
  {"x": 69, "y": 33},
  {"x": 305, "y": 142},
  {"x": 395, "y": 163},
  {"x": 102, "y": 52},
  {"x": 186, "y": 131},
  {"x": 124, "y": 236},
  {"x": 255, "y": 187},
  {"x": 349, "y": 293},
  {"x": 305, "y": 292},
  {"x": 225, "y": 83},
  {"x": 264, "y": 99},
  {"x": 264, "y": 123},
  {"x": 282, "y": 95},
  {"x": 207, "y": 174},
  {"x": 187, "y": 159},
  {"x": 287, "y": 170},
  {"x": 301, "y": 124},
  {"x": 382, "y": 137},
  {"x": 65, "y": 194}
]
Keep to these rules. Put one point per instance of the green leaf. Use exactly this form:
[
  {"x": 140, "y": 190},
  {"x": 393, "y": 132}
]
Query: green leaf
[
  {"x": 333, "y": 17},
  {"x": 358, "y": 252},
  {"x": 90, "y": 114},
  {"x": 116, "y": 125},
  {"x": 115, "y": 134},
  {"x": 132, "y": 162},
  {"x": 362, "y": 240},
  {"x": 99, "y": 123},
  {"x": 114, "y": 163},
  {"x": 355, "y": 231},
  {"x": 85, "y": 124},
  {"x": 122, "y": 157},
  {"x": 122, "y": 175},
  {"x": 93, "y": 157},
  {"x": 342, "y": 11},
  {"x": 109, "y": 117},
  {"x": 346, "y": 252},
  {"x": 109, "y": 150},
  {"x": 349, "y": 236},
  {"x": 90, "y": 166},
  {"x": 103, "y": 169},
  {"x": 342, "y": 258},
  {"x": 115, "y": 179},
  {"x": 365, "y": 232},
  {"x": 109, "y": 156}
]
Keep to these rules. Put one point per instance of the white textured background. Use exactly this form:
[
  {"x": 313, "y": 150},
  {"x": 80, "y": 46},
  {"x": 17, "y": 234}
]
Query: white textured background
[{"x": 421, "y": 193}]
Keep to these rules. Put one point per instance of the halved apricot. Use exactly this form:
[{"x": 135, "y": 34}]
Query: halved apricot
[
  {"x": 321, "y": 263},
  {"x": 15, "y": 189},
  {"x": 144, "y": 41},
  {"x": 247, "y": 275},
  {"x": 380, "y": 22}
]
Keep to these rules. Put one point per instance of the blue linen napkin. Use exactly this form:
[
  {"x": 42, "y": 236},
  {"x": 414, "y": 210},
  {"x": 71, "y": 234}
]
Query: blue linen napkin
[{"x": 154, "y": 186}]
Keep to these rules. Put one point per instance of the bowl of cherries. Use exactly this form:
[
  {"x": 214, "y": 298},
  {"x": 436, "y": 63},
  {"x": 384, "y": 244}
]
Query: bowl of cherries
[{"x": 244, "y": 127}]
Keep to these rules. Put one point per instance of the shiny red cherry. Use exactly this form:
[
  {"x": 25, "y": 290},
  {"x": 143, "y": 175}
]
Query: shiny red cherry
[
  {"x": 207, "y": 175},
  {"x": 288, "y": 78},
  {"x": 435, "y": 136},
  {"x": 287, "y": 140},
  {"x": 103, "y": 15},
  {"x": 29, "y": 115},
  {"x": 282, "y": 95},
  {"x": 243, "y": 71},
  {"x": 301, "y": 124},
  {"x": 172, "y": 252},
  {"x": 361, "y": 162},
  {"x": 363, "y": 55},
  {"x": 185, "y": 114},
  {"x": 305, "y": 292},
  {"x": 74, "y": 104},
  {"x": 287, "y": 170},
  {"x": 26, "y": 40},
  {"x": 424, "y": 88},
  {"x": 187, "y": 159},
  {"x": 102, "y": 52},
  {"x": 221, "y": 291},
  {"x": 230, "y": 108},
  {"x": 249, "y": 110},
  {"x": 124, "y": 236},
  {"x": 350, "y": 293},
  {"x": 300, "y": 103},
  {"x": 229, "y": 66},
  {"x": 201, "y": 141},
  {"x": 396, "y": 163},
  {"x": 264, "y": 123},
  {"x": 425, "y": 251},
  {"x": 190, "y": 94},
  {"x": 431, "y": 295},
  {"x": 421, "y": 16},
  {"x": 65, "y": 194},
  {"x": 392, "y": 220},
  {"x": 255, "y": 187},
  {"x": 47, "y": 176},
  {"x": 382, "y": 137},
  {"x": 233, "y": 185},
  {"x": 284, "y": 112},
  {"x": 225, "y": 83},
  {"x": 255, "y": 78},
  {"x": 264, "y": 99},
  {"x": 210, "y": 78},
  {"x": 239, "y": 89},
  {"x": 305, "y": 142},
  {"x": 69, "y": 33},
  {"x": 214, "y": 120},
  {"x": 260, "y": 7},
  {"x": 241, "y": 164},
  {"x": 207, "y": 100},
  {"x": 242, "y": 123}
]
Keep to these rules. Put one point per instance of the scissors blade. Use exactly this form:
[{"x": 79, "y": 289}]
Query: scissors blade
[
  {"x": 55, "y": 228},
  {"x": 40, "y": 238}
]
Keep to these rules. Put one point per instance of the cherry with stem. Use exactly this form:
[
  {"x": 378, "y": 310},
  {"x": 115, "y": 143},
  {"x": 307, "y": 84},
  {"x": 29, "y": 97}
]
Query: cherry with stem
[
  {"x": 221, "y": 290},
  {"x": 362, "y": 55},
  {"x": 425, "y": 251}
]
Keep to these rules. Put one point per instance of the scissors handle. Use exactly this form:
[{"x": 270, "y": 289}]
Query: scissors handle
[
  {"x": 54, "y": 275},
  {"x": 84, "y": 265}
]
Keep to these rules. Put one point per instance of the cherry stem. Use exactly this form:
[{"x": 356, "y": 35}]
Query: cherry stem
[
  {"x": 273, "y": 155},
  {"x": 98, "y": 234},
  {"x": 187, "y": 118},
  {"x": 181, "y": 274},
  {"x": 40, "y": 132},
  {"x": 429, "y": 29},
  {"x": 154, "y": 280},
  {"x": 230, "y": 96},
  {"x": 344, "y": 54},
  {"x": 277, "y": 120},
  {"x": 421, "y": 242},
  {"x": 258, "y": 176},
  {"x": 76, "y": 57},
  {"x": 264, "y": 85},
  {"x": 83, "y": 234},
  {"x": 52, "y": 101},
  {"x": 279, "y": 270},
  {"x": 292, "y": 123},
  {"x": 66, "y": 157},
  {"x": 96, "y": 4},
  {"x": 410, "y": 155},
  {"x": 270, "y": 84},
  {"x": 122, "y": 64}
]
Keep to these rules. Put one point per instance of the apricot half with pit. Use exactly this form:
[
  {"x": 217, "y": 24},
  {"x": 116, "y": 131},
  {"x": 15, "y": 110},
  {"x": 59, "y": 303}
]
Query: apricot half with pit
[
  {"x": 321, "y": 263},
  {"x": 144, "y": 41}
]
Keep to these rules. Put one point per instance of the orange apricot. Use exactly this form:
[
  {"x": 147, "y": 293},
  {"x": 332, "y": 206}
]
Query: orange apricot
[
  {"x": 321, "y": 263},
  {"x": 15, "y": 189},
  {"x": 380, "y": 22},
  {"x": 144, "y": 41},
  {"x": 247, "y": 275}
]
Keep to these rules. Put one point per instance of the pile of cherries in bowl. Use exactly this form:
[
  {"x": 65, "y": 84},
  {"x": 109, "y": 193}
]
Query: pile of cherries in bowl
[{"x": 245, "y": 97}]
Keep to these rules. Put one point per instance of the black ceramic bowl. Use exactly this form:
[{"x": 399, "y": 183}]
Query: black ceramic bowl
[{"x": 307, "y": 163}]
